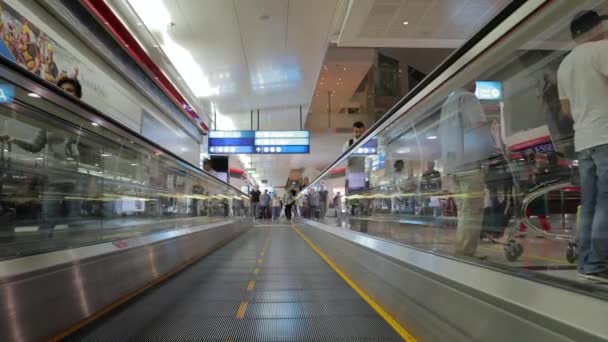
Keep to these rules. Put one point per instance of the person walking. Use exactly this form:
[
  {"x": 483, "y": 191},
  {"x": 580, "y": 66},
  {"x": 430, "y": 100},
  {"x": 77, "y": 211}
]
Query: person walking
[
  {"x": 323, "y": 193},
  {"x": 582, "y": 80},
  {"x": 463, "y": 118},
  {"x": 264, "y": 205},
  {"x": 338, "y": 207},
  {"x": 276, "y": 206},
  {"x": 289, "y": 199},
  {"x": 255, "y": 202}
]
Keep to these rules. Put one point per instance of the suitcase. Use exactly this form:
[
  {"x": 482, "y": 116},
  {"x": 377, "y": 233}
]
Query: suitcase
[{"x": 496, "y": 218}]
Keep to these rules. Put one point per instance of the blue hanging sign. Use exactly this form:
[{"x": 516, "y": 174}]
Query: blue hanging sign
[{"x": 7, "y": 93}]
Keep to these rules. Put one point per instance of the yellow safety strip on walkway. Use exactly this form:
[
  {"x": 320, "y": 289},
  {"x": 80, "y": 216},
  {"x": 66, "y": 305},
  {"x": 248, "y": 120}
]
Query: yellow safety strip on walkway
[
  {"x": 405, "y": 335},
  {"x": 242, "y": 309},
  {"x": 251, "y": 285}
]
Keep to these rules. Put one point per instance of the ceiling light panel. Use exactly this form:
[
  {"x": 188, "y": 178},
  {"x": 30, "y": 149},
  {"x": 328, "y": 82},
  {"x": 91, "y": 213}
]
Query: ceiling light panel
[{"x": 157, "y": 18}]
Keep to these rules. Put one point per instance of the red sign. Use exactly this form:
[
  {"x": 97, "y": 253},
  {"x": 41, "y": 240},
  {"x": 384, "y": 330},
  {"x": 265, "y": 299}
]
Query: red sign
[{"x": 120, "y": 244}]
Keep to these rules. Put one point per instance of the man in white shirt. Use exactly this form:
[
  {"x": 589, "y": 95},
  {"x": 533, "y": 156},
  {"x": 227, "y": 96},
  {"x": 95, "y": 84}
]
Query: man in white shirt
[
  {"x": 358, "y": 130},
  {"x": 355, "y": 171},
  {"x": 583, "y": 91},
  {"x": 461, "y": 116}
]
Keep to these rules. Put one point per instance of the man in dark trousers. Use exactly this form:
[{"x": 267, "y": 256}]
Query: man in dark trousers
[
  {"x": 255, "y": 202},
  {"x": 323, "y": 202},
  {"x": 582, "y": 80}
]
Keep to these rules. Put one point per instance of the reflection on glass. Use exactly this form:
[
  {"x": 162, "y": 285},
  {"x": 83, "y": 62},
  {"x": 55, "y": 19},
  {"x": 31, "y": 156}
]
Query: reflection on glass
[
  {"x": 66, "y": 182},
  {"x": 485, "y": 169}
]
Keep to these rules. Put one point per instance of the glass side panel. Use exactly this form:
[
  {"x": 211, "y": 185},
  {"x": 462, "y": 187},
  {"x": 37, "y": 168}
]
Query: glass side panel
[
  {"x": 66, "y": 182},
  {"x": 491, "y": 167}
]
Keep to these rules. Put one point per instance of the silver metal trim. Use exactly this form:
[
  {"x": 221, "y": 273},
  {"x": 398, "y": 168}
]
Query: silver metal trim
[
  {"x": 570, "y": 308},
  {"x": 20, "y": 266}
]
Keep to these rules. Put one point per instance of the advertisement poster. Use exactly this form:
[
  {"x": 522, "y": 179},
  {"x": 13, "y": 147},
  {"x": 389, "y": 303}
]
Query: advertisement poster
[{"x": 31, "y": 48}]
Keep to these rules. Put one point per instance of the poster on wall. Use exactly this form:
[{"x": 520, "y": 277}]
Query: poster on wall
[{"x": 33, "y": 49}]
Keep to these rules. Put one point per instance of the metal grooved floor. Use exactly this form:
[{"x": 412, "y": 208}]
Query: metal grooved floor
[{"x": 266, "y": 285}]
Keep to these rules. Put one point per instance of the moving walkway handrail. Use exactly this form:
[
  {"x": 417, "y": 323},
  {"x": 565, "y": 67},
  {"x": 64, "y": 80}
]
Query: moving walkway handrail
[
  {"x": 506, "y": 20},
  {"x": 17, "y": 75}
]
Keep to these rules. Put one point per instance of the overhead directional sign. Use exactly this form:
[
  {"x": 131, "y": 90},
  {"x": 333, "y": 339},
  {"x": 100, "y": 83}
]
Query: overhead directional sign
[
  {"x": 282, "y": 142},
  {"x": 488, "y": 90},
  {"x": 7, "y": 93},
  {"x": 368, "y": 149},
  {"x": 231, "y": 142},
  {"x": 259, "y": 142}
]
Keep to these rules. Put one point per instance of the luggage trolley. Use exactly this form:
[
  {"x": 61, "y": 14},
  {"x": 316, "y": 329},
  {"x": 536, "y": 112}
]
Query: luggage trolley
[
  {"x": 498, "y": 217},
  {"x": 503, "y": 216},
  {"x": 538, "y": 192}
]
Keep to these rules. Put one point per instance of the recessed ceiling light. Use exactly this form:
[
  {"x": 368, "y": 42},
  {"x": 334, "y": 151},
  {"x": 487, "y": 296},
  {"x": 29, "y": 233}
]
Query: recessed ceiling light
[
  {"x": 133, "y": 164},
  {"x": 94, "y": 124},
  {"x": 34, "y": 95},
  {"x": 432, "y": 137},
  {"x": 405, "y": 22},
  {"x": 140, "y": 24}
]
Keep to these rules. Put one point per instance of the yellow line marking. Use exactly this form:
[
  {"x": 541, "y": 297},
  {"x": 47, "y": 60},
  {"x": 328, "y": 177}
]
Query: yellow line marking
[
  {"x": 242, "y": 309},
  {"x": 529, "y": 256},
  {"x": 251, "y": 285},
  {"x": 405, "y": 335},
  {"x": 256, "y": 271}
]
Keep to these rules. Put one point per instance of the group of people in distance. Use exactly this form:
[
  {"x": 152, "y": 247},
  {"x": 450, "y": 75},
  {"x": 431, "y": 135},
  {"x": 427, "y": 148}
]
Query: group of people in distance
[{"x": 265, "y": 205}]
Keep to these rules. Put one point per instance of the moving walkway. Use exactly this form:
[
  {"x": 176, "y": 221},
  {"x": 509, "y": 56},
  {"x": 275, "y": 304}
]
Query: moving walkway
[{"x": 148, "y": 253}]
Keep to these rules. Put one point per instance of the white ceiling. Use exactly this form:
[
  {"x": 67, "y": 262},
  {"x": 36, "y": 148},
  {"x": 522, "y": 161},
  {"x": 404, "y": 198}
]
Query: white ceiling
[
  {"x": 262, "y": 54},
  {"x": 244, "y": 55},
  {"x": 430, "y": 23},
  {"x": 249, "y": 55},
  {"x": 342, "y": 72}
]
